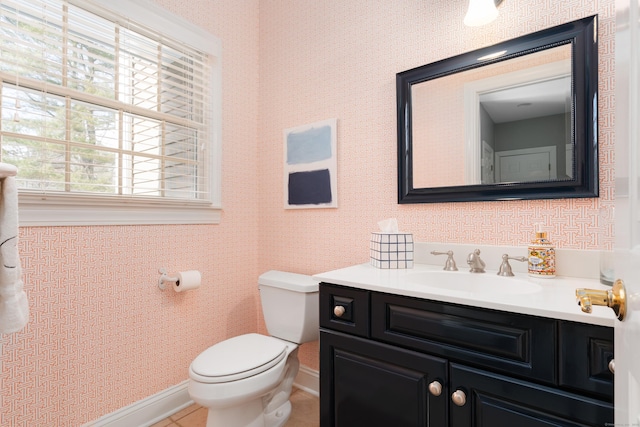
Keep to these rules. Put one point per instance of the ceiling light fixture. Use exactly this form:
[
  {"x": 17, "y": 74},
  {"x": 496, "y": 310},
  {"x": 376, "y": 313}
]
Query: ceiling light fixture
[{"x": 481, "y": 12}]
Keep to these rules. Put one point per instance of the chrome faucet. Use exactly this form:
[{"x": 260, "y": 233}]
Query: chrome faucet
[
  {"x": 474, "y": 261},
  {"x": 450, "y": 263}
]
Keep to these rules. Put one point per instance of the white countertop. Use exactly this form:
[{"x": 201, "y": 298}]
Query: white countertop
[{"x": 555, "y": 297}]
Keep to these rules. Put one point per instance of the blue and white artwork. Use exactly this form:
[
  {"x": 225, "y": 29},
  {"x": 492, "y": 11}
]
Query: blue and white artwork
[{"x": 311, "y": 166}]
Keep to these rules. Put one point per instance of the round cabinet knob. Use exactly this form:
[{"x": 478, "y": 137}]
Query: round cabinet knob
[
  {"x": 459, "y": 397},
  {"x": 338, "y": 310},
  {"x": 612, "y": 366},
  {"x": 435, "y": 388}
]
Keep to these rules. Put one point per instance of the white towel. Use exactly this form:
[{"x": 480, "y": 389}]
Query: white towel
[{"x": 14, "y": 307}]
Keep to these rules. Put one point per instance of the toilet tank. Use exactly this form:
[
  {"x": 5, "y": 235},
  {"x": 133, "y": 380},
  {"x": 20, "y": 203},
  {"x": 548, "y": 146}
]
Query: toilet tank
[{"x": 290, "y": 305}]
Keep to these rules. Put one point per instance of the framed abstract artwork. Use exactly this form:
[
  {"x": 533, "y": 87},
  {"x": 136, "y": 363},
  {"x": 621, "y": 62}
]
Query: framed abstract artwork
[{"x": 310, "y": 166}]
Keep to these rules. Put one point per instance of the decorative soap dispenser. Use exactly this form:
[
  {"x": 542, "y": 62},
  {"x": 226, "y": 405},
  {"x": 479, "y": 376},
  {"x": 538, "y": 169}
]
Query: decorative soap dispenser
[{"x": 542, "y": 256}]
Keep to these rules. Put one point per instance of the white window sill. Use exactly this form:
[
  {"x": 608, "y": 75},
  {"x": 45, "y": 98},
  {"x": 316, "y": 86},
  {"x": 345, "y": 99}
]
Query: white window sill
[{"x": 37, "y": 210}]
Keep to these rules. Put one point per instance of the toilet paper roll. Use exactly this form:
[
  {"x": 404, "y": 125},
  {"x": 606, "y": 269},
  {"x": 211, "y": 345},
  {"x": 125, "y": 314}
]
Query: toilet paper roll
[{"x": 187, "y": 280}]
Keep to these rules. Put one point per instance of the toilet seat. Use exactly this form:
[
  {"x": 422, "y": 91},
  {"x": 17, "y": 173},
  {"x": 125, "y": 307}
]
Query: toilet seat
[{"x": 237, "y": 358}]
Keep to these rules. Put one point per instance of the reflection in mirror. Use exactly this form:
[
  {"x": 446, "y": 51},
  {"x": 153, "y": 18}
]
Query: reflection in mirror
[
  {"x": 517, "y": 117},
  {"x": 525, "y": 133},
  {"x": 517, "y": 120}
]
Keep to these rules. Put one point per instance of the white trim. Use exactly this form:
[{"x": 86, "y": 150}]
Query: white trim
[
  {"x": 215, "y": 132},
  {"x": 308, "y": 380},
  {"x": 474, "y": 89},
  {"x": 152, "y": 15},
  {"x": 149, "y": 411},
  {"x": 153, "y": 409},
  {"x": 92, "y": 211}
]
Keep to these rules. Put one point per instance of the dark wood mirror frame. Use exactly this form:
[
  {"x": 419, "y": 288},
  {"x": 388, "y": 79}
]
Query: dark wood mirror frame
[{"x": 583, "y": 37}]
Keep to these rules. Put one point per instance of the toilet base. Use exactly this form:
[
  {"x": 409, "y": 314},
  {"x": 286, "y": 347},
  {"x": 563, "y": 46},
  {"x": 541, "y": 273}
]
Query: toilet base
[
  {"x": 249, "y": 415},
  {"x": 278, "y": 417}
]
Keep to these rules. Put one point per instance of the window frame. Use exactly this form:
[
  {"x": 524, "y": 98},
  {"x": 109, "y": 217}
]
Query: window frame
[{"x": 82, "y": 209}]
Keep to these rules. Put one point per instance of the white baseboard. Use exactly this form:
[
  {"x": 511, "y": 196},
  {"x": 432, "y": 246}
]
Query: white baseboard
[
  {"x": 148, "y": 411},
  {"x": 152, "y": 409},
  {"x": 308, "y": 380}
]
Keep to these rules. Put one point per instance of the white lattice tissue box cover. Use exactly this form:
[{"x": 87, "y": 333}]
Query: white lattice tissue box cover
[{"x": 391, "y": 250}]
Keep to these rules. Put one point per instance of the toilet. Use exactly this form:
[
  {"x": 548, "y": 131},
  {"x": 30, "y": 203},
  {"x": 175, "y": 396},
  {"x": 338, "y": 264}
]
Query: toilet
[{"x": 246, "y": 381}]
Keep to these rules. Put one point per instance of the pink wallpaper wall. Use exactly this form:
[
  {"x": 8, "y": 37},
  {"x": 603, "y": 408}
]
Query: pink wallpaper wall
[
  {"x": 339, "y": 59},
  {"x": 102, "y": 335}
]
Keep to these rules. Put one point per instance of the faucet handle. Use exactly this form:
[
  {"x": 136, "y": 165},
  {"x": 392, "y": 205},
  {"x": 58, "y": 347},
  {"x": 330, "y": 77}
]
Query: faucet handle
[
  {"x": 450, "y": 263},
  {"x": 505, "y": 267}
]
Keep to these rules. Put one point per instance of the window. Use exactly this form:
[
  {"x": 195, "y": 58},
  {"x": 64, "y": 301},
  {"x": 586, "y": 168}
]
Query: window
[{"x": 104, "y": 112}]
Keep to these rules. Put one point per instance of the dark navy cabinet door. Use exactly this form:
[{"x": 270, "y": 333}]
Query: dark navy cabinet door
[
  {"x": 496, "y": 400},
  {"x": 369, "y": 384}
]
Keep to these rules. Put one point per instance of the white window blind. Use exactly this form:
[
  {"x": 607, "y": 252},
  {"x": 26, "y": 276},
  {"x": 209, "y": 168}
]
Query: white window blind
[{"x": 97, "y": 106}]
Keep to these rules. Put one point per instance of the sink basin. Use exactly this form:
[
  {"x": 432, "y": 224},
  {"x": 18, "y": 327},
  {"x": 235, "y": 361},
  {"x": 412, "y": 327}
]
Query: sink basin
[{"x": 472, "y": 282}]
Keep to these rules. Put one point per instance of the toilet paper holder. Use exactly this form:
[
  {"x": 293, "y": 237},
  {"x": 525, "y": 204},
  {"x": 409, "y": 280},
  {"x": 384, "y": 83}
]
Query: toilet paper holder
[{"x": 164, "y": 277}]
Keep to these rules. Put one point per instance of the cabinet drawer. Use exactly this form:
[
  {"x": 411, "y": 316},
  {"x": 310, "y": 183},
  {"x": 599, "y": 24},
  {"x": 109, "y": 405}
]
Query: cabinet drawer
[
  {"x": 344, "y": 309},
  {"x": 585, "y": 353},
  {"x": 515, "y": 344}
]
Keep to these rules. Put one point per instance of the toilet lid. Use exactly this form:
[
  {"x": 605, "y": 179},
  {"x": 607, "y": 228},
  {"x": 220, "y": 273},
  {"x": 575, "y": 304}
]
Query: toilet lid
[{"x": 238, "y": 357}]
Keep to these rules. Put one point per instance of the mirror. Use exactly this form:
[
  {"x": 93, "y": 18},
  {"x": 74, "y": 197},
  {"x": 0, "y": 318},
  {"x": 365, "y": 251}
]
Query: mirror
[{"x": 517, "y": 120}]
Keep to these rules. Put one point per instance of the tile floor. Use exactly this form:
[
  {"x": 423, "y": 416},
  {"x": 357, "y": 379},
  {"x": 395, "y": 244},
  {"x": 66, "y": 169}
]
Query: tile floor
[{"x": 305, "y": 413}]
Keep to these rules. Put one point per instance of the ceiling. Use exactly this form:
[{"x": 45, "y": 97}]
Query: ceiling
[{"x": 538, "y": 99}]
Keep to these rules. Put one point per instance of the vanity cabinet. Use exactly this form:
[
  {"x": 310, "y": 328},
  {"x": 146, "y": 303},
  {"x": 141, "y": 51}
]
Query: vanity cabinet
[{"x": 390, "y": 360}]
